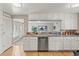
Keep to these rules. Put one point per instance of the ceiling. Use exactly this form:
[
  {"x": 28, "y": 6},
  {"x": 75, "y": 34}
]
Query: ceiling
[{"x": 28, "y": 8}]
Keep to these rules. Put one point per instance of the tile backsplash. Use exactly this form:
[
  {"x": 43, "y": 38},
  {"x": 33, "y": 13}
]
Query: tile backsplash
[{"x": 44, "y": 26}]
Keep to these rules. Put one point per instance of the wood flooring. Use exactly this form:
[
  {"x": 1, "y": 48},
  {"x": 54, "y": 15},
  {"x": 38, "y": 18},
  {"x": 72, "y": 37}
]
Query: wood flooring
[
  {"x": 17, "y": 50},
  {"x": 8, "y": 52}
]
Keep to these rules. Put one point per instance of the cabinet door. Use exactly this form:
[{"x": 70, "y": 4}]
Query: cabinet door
[
  {"x": 30, "y": 44},
  {"x": 67, "y": 21},
  {"x": 62, "y": 17},
  {"x": 26, "y": 45},
  {"x": 55, "y": 43},
  {"x": 70, "y": 21},
  {"x": 74, "y": 21},
  {"x": 67, "y": 43},
  {"x": 75, "y": 43},
  {"x": 33, "y": 43}
]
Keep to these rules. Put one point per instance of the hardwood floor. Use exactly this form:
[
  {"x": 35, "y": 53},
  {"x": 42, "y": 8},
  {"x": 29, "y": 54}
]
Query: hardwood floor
[
  {"x": 17, "y": 50},
  {"x": 31, "y": 53},
  {"x": 50, "y": 53},
  {"x": 9, "y": 52}
]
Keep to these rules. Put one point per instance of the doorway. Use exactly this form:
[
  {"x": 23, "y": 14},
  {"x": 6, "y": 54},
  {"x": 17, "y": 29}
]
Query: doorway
[{"x": 18, "y": 29}]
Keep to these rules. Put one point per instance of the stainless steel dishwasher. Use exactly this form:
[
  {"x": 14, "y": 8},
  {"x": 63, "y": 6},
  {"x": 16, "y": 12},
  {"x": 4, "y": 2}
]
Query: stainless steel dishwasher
[{"x": 42, "y": 44}]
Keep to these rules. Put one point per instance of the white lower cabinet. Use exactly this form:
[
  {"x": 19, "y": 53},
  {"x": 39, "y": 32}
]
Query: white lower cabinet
[
  {"x": 30, "y": 44},
  {"x": 67, "y": 43},
  {"x": 55, "y": 43},
  {"x": 63, "y": 43},
  {"x": 75, "y": 43},
  {"x": 71, "y": 43}
]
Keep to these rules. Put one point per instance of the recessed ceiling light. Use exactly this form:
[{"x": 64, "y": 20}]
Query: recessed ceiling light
[
  {"x": 17, "y": 4},
  {"x": 75, "y": 5},
  {"x": 72, "y": 5}
]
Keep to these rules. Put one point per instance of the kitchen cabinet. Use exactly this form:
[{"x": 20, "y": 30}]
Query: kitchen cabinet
[
  {"x": 75, "y": 43},
  {"x": 55, "y": 43},
  {"x": 70, "y": 21},
  {"x": 63, "y": 43},
  {"x": 67, "y": 43},
  {"x": 71, "y": 43},
  {"x": 30, "y": 44}
]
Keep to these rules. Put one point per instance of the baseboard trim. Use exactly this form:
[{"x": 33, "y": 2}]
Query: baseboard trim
[{"x": 5, "y": 50}]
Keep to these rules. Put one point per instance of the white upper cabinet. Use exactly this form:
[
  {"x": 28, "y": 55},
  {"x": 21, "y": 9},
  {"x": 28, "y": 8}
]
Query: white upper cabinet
[{"x": 70, "y": 21}]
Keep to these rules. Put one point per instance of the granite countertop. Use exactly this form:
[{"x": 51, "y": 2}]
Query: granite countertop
[
  {"x": 51, "y": 35},
  {"x": 43, "y": 35}
]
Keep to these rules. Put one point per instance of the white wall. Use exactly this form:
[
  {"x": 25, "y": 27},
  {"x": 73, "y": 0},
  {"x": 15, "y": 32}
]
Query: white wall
[
  {"x": 1, "y": 7},
  {"x": 45, "y": 16},
  {"x": 5, "y": 31},
  {"x": 49, "y": 25}
]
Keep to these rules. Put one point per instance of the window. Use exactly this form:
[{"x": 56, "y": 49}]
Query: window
[{"x": 18, "y": 28}]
